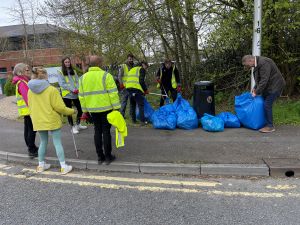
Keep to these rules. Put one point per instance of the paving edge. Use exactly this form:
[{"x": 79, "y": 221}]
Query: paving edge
[{"x": 154, "y": 168}]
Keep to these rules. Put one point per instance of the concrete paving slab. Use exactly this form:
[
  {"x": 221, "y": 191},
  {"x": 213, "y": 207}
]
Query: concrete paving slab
[
  {"x": 16, "y": 157},
  {"x": 173, "y": 168},
  {"x": 283, "y": 167},
  {"x": 3, "y": 155},
  {"x": 235, "y": 169},
  {"x": 114, "y": 166}
]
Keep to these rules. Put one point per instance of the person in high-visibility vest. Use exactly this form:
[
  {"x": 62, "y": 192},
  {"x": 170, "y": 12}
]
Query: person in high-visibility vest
[
  {"x": 98, "y": 95},
  {"x": 21, "y": 78},
  {"x": 68, "y": 82},
  {"x": 122, "y": 78},
  {"x": 137, "y": 88},
  {"x": 168, "y": 80}
]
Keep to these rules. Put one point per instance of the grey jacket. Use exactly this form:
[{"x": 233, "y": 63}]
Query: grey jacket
[{"x": 268, "y": 78}]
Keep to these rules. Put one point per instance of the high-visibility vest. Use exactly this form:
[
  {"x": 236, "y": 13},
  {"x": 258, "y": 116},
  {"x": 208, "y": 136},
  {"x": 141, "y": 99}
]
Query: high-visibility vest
[
  {"x": 23, "y": 109},
  {"x": 63, "y": 91},
  {"x": 133, "y": 78},
  {"x": 173, "y": 80},
  {"x": 116, "y": 119},
  {"x": 125, "y": 73},
  {"x": 94, "y": 95}
]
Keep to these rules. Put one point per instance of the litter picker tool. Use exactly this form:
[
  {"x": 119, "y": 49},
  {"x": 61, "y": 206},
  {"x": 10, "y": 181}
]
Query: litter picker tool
[
  {"x": 151, "y": 93},
  {"x": 75, "y": 146}
]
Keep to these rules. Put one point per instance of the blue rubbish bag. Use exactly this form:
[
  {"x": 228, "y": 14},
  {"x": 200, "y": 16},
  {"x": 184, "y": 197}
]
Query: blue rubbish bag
[
  {"x": 250, "y": 110},
  {"x": 164, "y": 118},
  {"x": 148, "y": 111},
  {"x": 186, "y": 116},
  {"x": 212, "y": 123},
  {"x": 230, "y": 120}
]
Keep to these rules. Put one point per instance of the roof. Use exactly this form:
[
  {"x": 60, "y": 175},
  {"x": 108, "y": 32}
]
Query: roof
[{"x": 18, "y": 30}]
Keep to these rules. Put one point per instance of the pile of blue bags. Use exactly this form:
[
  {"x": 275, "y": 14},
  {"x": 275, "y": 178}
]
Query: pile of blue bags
[
  {"x": 179, "y": 114},
  {"x": 249, "y": 113}
]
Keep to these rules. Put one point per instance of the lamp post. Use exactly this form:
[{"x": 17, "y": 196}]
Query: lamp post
[{"x": 256, "y": 41}]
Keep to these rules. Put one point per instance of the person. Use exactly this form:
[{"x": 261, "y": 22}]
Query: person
[
  {"x": 46, "y": 107},
  {"x": 137, "y": 88},
  {"x": 68, "y": 82},
  {"x": 122, "y": 78},
  {"x": 269, "y": 83},
  {"x": 21, "y": 78},
  {"x": 98, "y": 95},
  {"x": 168, "y": 80}
]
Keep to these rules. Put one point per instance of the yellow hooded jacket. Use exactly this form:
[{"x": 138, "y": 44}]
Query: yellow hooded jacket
[{"x": 116, "y": 119}]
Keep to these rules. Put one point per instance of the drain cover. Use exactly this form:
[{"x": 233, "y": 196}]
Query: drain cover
[{"x": 283, "y": 167}]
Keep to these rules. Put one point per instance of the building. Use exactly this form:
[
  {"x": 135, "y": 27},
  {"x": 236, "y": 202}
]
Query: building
[{"x": 44, "y": 43}]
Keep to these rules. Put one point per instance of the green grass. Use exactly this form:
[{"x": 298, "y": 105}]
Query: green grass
[{"x": 286, "y": 112}]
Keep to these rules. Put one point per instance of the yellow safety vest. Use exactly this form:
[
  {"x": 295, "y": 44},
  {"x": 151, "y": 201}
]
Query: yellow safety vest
[
  {"x": 125, "y": 75},
  {"x": 98, "y": 91},
  {"x": 173, "y": 80},
  {"x": 23, "y": 109},
  {"x": 63, "y": 91},
  {"x": 133, "y": 78},
  {"x": 116, "y": 119}
]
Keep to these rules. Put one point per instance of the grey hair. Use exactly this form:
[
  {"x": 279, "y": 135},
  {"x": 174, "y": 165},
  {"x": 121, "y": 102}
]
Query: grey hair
[
  {"x": 247, "y": 57},
  {"x": 19, "y": 69}
]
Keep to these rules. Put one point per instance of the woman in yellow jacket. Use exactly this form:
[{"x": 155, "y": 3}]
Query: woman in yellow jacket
[{"x": 46, "y": 106}]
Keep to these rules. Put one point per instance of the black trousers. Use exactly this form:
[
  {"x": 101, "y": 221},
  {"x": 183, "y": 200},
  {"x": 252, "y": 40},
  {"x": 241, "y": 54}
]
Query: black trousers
[
  {"x": 29, "y": 135},
  {"x": 102, "y": 134},
  {"x": 76, "y": 102},
  {"x": 166, "y": 91},
  {"x": 136, "y": 97}
]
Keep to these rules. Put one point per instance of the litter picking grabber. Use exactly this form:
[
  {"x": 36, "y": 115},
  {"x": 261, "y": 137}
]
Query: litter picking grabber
[
  {"x": 75, "y": 146},
  {"x": 151, "y": 93}
]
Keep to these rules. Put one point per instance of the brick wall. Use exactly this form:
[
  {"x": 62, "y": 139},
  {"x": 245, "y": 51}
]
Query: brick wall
[{"x": 38, "y": 57}]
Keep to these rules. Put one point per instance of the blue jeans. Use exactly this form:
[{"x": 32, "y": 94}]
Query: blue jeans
[
  {"x": 124, "y": 99},
  {"x": 269, "y": 100}
]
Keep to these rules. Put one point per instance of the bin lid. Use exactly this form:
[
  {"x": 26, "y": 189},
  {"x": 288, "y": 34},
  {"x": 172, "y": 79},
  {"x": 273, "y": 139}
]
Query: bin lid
[{"x": 204, "y": 83}]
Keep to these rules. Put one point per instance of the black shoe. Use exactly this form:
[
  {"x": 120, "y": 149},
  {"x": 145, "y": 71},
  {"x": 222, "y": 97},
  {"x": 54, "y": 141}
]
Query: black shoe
[
  {"x": 109, "y": 159},
  {"x": 101, "y": 160},
  {"x": 33, "y": 154}
]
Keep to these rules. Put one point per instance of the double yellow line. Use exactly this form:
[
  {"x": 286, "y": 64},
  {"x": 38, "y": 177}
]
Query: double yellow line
[{"x": 182, "y": 186}]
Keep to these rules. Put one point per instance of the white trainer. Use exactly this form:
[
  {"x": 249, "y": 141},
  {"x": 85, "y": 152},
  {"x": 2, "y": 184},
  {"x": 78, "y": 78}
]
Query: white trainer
[
  {"x": 40, "y": 169},
  {"x": 66, "y": 169},
  {"x": 81, "y": 127},
  {"x": 75, "y": 129}
]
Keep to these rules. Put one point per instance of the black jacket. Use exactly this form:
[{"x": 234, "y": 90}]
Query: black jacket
[
  {"x": 268, "y": 78},
  {"x": 167, "y": 76}
]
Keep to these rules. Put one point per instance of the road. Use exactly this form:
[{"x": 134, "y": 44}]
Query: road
[{"x": 90, "y": 197}]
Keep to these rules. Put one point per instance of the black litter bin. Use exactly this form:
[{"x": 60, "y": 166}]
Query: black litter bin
[{"x": 204, "y": 99}]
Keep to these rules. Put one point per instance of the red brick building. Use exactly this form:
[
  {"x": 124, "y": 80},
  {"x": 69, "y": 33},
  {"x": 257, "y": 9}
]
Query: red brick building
[{"x": 45, "y": 46}]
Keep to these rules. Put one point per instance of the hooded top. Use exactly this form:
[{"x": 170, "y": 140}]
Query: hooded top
[
  {"x": 22, "y": 87},
  {"x": 38, "y": 86},
  {"x": 46, "y": 106}
]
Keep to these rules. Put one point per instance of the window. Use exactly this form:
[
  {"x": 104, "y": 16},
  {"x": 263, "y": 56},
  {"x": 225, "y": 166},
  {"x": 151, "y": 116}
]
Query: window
[{"x": 3, "y": 70}]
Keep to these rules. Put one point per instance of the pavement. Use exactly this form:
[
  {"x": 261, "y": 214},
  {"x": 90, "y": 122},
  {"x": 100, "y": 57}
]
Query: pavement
[{"x": 234, "y": 152}]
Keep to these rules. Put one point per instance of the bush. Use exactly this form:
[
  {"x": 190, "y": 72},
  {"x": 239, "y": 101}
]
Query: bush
[{"x": 9, "y": 87}]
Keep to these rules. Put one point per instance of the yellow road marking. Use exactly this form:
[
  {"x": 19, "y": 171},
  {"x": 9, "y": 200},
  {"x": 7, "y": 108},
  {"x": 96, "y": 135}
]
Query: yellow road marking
[
  {"x": 134, "y": 180},
  {"x": 155, "y": 189},
  {"x": 282, "y": 187}
]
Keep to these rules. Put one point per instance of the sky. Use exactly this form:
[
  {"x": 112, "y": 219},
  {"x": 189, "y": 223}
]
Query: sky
[{"x": 6, "y": 12}]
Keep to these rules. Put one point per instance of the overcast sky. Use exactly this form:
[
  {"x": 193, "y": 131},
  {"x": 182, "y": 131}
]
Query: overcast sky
[{"x": 6, "y": 12}]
